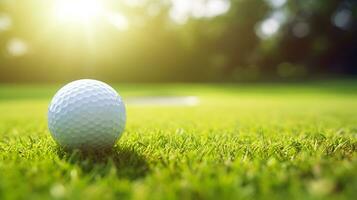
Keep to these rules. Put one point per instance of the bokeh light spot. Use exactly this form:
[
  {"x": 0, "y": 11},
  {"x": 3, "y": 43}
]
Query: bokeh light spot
[
  {"x": 268, "y": 28},
  {"x": 17, "y": 47},
  {"x": 301, "y": 29},
  {"x": 342, "y": 18},
  {"x": 5, "y": 22},
  {"x": 119, "y": 21}
]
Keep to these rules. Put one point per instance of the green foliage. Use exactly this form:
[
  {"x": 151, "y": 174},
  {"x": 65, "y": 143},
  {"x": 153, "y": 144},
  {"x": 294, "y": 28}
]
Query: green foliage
[{"x": 248, "y": 141}]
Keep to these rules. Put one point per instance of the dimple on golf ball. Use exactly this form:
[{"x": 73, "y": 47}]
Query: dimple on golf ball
[{"x": 86, "y": 114}]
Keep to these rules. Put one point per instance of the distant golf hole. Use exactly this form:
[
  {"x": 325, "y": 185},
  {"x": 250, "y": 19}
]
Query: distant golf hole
[{"x": 164, "y": 101}]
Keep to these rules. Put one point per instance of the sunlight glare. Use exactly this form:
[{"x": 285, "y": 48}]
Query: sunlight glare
[{"x": 77, "y": 10}]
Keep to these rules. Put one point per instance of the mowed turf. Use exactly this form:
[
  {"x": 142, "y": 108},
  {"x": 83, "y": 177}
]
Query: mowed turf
[{"x": 260, "y": 141}]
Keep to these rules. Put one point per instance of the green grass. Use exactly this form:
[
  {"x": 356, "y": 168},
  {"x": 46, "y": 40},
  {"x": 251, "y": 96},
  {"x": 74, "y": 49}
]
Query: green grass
[{"x": 243, "y": 141}]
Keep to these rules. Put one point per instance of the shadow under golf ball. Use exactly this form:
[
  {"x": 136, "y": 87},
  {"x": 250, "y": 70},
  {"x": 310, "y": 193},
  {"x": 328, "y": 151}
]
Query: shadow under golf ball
[{"x": 124, "y": 162}]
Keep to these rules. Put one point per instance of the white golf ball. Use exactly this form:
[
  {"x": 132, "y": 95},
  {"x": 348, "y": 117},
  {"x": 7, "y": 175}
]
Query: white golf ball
[{"x": 86, "y": 114}]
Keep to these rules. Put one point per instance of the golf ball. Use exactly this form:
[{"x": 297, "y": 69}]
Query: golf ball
[{"x": 86, "y": 114}]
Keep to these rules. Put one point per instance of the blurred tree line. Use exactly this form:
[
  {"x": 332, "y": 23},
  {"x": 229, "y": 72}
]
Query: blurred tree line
[{"x": 251, "y": 40}]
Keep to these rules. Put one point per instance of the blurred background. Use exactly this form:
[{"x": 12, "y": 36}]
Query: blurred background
[{"x": 177, "y": 40}]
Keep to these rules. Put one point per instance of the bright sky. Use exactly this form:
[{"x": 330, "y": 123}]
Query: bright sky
[
  {"x": 276, "y": 3},
  {"x": 183, "y": 9}
]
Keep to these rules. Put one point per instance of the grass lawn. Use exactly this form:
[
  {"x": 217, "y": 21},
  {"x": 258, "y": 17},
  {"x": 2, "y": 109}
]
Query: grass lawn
[{"x": 242, "y": 141}]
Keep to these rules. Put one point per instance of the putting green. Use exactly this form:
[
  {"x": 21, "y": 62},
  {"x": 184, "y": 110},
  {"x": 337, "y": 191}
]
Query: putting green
[{"x": 237, "y": 141}]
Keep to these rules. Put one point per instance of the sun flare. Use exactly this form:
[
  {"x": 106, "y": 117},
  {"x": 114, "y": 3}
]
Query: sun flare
[{"x": 80, "y": 11}]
